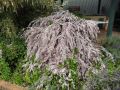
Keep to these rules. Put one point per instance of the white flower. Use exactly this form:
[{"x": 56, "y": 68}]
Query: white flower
[
  {"x": 62, "y": 71},
  {"x": 95, "y": 71}
]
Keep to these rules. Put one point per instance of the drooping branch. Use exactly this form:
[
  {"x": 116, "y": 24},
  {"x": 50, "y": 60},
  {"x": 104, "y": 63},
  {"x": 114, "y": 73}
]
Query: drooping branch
[{"x": 52, "y": 40}]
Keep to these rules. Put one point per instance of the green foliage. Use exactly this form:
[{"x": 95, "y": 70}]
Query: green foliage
[
  {"x": 7, "y": 30},
  {"x": 13, "y": 5},
  {"x": 14, "y": 53},
  {"x": 4, "y": 70},
  {"x": 24, "y": 11},
  {"x": 113, "y": 46},
  {"x": 72, "y": 66},
  {"x": 109, "y": 78},
  {"x": 14, "y": 15},
  {"x": 13, "y": 50},
  {"x": 11, "y": 62},
  {"x": 18, "y": 76},
  {"x": 47, "y": 80},
  {"x": 32, "y": 77}
]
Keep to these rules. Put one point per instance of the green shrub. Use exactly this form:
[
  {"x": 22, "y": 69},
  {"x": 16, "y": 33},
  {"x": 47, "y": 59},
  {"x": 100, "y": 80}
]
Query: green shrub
[
  {"x": 113, "y": 46},
  {"x": 47, "y": 80},
  {"x": 18, "y": 76},
  {"x": 109, "y": 78},
  {"x": 7, "y": 30},
  {"x": 14, "y": 53},
  {"x": 4, "y": 70},
  {"x": 31, "y": 77},
  {"x": 13, "y": 46}
]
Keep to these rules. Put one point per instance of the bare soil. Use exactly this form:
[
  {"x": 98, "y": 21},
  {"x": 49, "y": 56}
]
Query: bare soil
[{"x": 8, "y": 86}]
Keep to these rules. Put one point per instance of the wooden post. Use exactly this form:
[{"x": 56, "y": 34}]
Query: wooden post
[{"x": 113, "y": 9}]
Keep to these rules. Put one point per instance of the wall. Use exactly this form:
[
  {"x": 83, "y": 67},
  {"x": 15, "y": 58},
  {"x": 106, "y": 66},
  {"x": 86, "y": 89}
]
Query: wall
[{"x": 89, "y": 7}]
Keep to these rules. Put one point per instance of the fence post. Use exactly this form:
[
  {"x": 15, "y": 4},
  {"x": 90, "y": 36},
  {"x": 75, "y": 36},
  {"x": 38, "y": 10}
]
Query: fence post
[
  {"x": 99, "y": 5},
  {"x": 113, "y": 9}
]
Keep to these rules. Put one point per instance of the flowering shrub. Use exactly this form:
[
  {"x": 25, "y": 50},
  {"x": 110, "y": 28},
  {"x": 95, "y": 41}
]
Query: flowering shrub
[{"x": 52, "y": 40}]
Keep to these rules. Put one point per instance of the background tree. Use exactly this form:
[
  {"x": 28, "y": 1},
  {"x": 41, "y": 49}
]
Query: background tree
[
  {"x": 13, "y": 5},
  {"x": 24, "y": 11}
]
